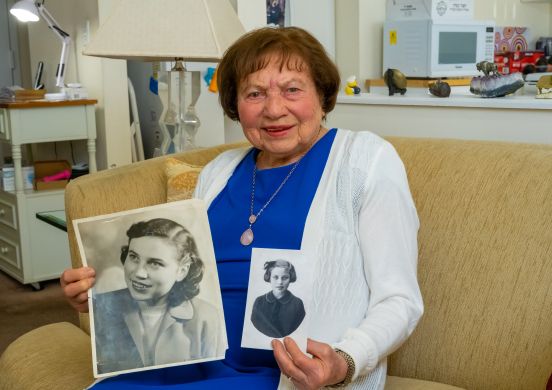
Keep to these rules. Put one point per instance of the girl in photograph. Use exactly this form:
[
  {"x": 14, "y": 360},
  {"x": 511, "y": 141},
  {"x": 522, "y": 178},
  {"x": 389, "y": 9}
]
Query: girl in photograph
[
  {"x": 158, "y": 318},
  {"x": 278, "y": 313},
  {"x": 275, "y": 12}
]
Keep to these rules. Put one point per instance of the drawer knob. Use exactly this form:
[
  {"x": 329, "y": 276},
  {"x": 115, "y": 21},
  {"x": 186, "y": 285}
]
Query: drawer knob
[
  {"x": 2, "y": 212},
  {"x": 4, "y": 249}
]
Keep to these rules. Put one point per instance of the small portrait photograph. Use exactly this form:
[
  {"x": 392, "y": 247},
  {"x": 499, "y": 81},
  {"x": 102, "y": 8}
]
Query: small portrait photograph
[
  {"x": 275, "y": 13},
  {"x": 278, "y": 298},
  {"x": 156, "y": 301}
]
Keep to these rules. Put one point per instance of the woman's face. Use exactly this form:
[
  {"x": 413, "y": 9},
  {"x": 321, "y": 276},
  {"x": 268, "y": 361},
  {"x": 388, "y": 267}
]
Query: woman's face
[
  {"x": 152, "y": 267},
  {"x": 279, "y": 281},
  {"x": 280, "y": 113}
]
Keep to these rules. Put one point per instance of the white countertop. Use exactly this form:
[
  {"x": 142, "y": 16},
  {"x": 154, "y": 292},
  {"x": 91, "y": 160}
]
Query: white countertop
[{"x": 459, "y": 97}]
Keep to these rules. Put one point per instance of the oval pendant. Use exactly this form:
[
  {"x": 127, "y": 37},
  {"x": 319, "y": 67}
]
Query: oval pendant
[
  {"x": 246, "y": 237},
  {"x": 252, "y": 219}
]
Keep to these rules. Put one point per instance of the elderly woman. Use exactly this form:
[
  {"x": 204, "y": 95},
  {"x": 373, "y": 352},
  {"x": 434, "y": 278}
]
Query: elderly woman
[{"x": 340, "y": 197}]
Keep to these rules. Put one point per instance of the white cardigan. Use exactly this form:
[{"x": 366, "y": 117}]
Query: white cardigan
[{"x": 361, "y": 237}]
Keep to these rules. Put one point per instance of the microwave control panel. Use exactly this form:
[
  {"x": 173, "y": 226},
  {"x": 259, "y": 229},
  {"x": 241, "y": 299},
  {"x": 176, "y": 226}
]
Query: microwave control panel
[{"x": 489, "y": 43}]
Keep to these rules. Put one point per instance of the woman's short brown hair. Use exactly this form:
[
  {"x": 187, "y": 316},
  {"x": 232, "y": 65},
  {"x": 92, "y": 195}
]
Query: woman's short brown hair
[{"x": 295, "y": 48}]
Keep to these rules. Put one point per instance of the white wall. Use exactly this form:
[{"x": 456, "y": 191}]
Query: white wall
[{"x": 359, "y": 25}]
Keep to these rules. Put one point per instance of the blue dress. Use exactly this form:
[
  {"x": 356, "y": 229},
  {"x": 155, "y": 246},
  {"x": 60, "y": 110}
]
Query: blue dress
[{"x": 280, "y": 226}]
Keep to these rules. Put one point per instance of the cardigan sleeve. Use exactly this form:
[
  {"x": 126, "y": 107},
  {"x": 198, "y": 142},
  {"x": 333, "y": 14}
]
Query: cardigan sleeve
[{"x": 387, "y": 231}]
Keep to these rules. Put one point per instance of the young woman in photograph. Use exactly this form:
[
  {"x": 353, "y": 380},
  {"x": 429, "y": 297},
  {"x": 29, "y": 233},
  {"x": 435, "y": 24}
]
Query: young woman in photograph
[
  {"x": 340, "y": 197},
  {"x": 158, "y": 318},
  {"x": 278, "y": 313}
]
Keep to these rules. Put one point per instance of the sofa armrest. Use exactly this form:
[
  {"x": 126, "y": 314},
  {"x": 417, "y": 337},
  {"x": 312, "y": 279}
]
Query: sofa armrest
[{"x": 54, "y": 356}]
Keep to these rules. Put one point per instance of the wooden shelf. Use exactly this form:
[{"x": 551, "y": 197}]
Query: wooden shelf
[
  {"x": 419, "y": 83},
  {"x": 46, "y": 103}
]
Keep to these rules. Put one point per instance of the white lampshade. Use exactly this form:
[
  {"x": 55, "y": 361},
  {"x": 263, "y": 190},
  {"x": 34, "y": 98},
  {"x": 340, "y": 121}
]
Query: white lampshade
[
  {"x": 25, "y": 11},
  {"x": 162, "y": 30}
]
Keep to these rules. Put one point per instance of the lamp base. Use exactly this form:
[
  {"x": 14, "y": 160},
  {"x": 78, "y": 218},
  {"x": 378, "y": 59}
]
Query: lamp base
[{"x": 178, "y": 130}]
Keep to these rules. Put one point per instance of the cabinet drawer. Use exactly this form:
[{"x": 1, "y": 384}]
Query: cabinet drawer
[
  {"x": 9, "y": 253},
  {"x": 8, "y": 214},
  {"x": 4, "y": 124}
]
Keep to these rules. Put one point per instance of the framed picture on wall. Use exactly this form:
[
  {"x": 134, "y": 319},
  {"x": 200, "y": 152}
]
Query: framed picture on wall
[
  {"x": 275, "y": 13},
  {"x": 315, "y": 16}
]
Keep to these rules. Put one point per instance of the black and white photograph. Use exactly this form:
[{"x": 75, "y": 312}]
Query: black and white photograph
[
  {"x": 278, "y": 298},
  {"x": 156, "y": 301},
  {"x": 275, "y": 13}
]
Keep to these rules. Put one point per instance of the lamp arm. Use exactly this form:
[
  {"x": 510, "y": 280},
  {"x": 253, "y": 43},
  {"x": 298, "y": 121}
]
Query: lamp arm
[{"x": 63, "y": 36}]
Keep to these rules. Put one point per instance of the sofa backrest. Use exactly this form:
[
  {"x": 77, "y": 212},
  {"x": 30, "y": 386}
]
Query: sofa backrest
[
  {"x": 485, "y": 263},
  {"x": 485, "y": 248}
]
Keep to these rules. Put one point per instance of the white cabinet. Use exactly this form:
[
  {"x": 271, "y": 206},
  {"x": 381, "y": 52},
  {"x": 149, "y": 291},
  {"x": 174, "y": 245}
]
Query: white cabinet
[{"x": 32, "y": 250}]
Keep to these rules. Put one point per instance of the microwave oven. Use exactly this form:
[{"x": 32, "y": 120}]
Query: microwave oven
[{"x": 425, "y": 49}]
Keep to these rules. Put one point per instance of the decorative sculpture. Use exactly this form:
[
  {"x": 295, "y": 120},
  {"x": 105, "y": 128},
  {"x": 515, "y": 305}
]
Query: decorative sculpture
[
  {"x": 544, "y": 87},
  {"x": 487, "y": 67},
  {"x": 493, "y": 84},
  {"x": 352, "y": 87},
  {"x": 395, "y": 81},
  {"x": 439, "y": 88}
]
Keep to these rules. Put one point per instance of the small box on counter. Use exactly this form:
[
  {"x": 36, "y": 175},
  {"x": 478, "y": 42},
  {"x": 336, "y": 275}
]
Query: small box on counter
[
  {"x": 8, "y": 177},
  {"x": 51, "y": 175}
]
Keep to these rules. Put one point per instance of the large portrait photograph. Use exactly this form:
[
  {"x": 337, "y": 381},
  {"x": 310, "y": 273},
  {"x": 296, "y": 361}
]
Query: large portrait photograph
[
  {"x": 278, "y": 298},
  {"x": 156, "y": 301}
]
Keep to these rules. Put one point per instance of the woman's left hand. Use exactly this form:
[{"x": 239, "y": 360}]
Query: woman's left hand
[{"x": 325, "y": 367}]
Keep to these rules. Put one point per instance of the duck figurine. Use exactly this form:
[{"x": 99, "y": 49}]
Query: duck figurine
[{"x": 352, "y": 87}]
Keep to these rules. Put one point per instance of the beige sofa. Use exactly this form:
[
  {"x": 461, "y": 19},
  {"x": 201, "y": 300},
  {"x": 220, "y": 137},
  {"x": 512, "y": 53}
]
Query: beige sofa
[{"x": 485, "y": 269}]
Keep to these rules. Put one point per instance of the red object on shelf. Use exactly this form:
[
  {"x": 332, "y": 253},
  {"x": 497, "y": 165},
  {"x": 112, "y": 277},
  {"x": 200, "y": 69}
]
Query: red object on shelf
[
  {"x": 63, "y": 175},
  {"x": 516, "y": 61}
]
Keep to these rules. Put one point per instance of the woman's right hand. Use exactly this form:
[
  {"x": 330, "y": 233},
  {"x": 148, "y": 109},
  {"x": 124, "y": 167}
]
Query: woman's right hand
[{"x": 75, "y": 283}]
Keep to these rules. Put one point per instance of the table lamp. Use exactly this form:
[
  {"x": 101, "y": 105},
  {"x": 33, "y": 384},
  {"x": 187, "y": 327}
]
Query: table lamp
[
  {"x": 29, "y": 11},
  {"x": 170, "y": 30}
]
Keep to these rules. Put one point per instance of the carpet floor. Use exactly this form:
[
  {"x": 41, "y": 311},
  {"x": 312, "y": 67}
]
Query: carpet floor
[{"x": 23, "y": 309}]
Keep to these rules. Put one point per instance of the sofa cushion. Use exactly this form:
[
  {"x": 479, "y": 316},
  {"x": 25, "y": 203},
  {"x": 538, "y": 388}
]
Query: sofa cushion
[
  {"x": 484, "y": 269},
  {"x": 181, "y": 179},
  {"x": 398, "y": 383},
  {"x": 54, "y": 356}
]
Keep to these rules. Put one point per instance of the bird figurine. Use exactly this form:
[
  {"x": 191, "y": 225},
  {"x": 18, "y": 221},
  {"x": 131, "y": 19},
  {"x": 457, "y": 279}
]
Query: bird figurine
[
  {"x": 439, "y": 89},
  {"x": 352, "y": 87},
  {"x": 395, "y": 81}
]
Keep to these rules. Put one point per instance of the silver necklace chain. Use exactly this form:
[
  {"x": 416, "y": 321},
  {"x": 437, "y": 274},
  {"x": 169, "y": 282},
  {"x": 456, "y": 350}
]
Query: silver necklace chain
[
  {"x": 247, "y": 236},
  {"x": 255, "y": 216}
]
